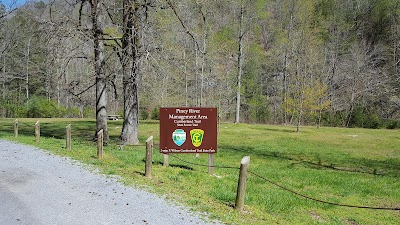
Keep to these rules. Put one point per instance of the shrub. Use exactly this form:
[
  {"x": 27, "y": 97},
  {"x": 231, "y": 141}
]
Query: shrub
[
  {"x": 333, "y": 119},
  {"x": 8, "y": 108},
  {"x": 361, "y": 117},
  {"x": 358, "y": 118},
  {"x": 144, "y": 114},
  {"x": 73, "y": 112},
  {"x": 155, "y": 114},
  {"x": 392, "y": 124},
  {"x": 89, "y": 112},
  {"x": 374, "y": 122},
  {"x": 40, "y": 107}
]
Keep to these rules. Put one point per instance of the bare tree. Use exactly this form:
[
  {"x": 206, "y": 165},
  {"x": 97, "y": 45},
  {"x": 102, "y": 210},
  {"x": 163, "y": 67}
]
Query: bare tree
[
  {"x": 99, "y": 64},
  {"x": 96, "y": 34},
  {"x": 130, "y": 70},
  {"x": 242, "y": 32}
]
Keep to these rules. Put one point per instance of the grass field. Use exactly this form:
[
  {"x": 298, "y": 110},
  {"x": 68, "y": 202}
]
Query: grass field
[{"x": 340, "y": 165}]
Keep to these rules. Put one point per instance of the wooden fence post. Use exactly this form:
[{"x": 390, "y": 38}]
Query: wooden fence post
[
  {"x": 37, "y": 131},
  {"x": 166, "y": 160},
  {"x": 68, "y": 137},
  {"x": 16, "y": 128},
  {"x": 241, "y": 190},
  {"x": 149, "y": 156},
  {"x": 100, "y": 138},
  {"x": 211, "y": 158}
]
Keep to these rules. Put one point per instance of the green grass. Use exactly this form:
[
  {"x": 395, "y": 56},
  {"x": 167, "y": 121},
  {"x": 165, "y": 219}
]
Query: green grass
[{"x": 346, "y": 166}]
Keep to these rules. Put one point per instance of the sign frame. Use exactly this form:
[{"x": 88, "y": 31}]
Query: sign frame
[{"x": 188, "y": 130}]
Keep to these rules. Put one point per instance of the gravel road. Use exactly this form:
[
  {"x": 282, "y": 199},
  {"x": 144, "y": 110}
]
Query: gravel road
[{"x": 38, "y": 188}]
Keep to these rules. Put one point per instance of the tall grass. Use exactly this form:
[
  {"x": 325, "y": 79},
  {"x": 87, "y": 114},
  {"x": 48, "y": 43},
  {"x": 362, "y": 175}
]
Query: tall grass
[{"x": 345, "y": 166}]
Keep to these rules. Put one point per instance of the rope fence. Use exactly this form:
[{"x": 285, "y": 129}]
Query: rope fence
[
  {"x": 290, "y": 190},
  {"x": 149, "y": 147},
  {"x": 202, "y": 165}
]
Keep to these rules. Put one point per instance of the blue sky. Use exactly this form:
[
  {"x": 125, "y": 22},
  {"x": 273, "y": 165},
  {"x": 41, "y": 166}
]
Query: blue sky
[{"x": 12, "y": 3}]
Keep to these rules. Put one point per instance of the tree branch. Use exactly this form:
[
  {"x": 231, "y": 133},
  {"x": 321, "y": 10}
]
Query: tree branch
[{"x": 183, "y": 25}]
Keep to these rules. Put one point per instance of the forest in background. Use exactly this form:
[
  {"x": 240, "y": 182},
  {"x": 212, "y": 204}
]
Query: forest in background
[{"x": 325, "y": 62}]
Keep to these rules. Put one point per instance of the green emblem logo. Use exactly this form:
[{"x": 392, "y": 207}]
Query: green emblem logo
[
  {"x": 197, "y": 137},
  {"x": 179, "y": 137}
]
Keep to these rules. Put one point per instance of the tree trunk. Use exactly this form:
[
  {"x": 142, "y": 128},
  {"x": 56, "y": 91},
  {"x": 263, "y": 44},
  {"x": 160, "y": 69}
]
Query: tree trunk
[
  {"x": 286, "y": 71},
  {"x": 239, "y": 66},
  {"x": 101, "y": 81},
  {"x": 301, "y": 109},
  {"x": 319, "y": 118},
  {"x": 130, "y": 69},
  {"x": 202, "y": 71},
  {"x": 4, "y": 75},
  {"x": 186, "y": 80},
  {"x": 298, "y": 123},
  {"x": 27, "y": 68}
]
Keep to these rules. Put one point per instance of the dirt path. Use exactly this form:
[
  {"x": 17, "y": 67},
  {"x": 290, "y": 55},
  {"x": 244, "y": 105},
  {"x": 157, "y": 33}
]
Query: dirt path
[{"x": 39, "y": 188}]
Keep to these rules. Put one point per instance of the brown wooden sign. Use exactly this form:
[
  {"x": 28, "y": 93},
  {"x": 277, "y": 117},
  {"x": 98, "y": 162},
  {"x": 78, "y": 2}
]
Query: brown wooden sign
[{"x": 188, "y": 130}]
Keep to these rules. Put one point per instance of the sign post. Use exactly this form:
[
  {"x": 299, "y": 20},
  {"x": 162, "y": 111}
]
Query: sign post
[
  {"x": 149, "y": 156},
  {"x": 68, "y": 137},
  {"x": 241, "y": 190},
  {"x": 100, "y": 139},
  {"x": 16, "y": 128},
  {"x": 37, "y": 131},
  {"x": 188, "y": 130}
]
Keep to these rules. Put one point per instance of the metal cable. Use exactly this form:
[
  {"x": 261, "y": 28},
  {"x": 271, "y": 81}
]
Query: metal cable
[
  {"x": 291, "y": 191},
  {"x": 197, "y": 164},
  {"x": 318, "y": 200}
]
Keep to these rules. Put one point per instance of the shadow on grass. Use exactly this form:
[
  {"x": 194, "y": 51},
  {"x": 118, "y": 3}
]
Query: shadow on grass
[
  {"x": 81, "y": 130},
  {"x": 139, "y": 173},
  {"x": 173, "y": 165},
  {"x": 387, "y": 167},
  {"x": 55, "y": 130},
  {"x": 283, "y": 129}
]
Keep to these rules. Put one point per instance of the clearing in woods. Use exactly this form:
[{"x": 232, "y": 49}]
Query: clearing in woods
[{"x": 341, "y": 165}]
